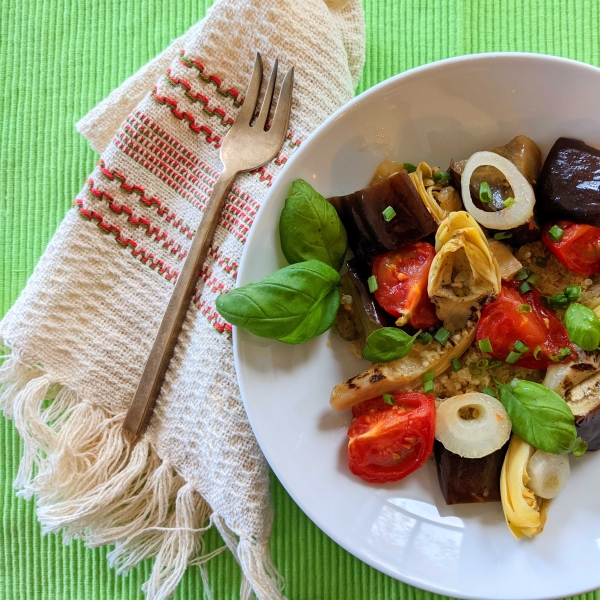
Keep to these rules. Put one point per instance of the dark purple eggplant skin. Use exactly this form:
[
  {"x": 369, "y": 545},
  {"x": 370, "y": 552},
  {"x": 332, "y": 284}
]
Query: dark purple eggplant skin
[
  {"x": 369, "y": 234},
  {"x": 569, "y": 185},
  {"x": 588, "y": 428},
  {"x": 360, "y": 273},
  {"x": 468, "y": 480}
]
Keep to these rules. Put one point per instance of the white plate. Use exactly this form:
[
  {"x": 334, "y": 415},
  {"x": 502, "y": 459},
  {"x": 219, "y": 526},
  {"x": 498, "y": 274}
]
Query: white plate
[{"x": 434, "y": 113}]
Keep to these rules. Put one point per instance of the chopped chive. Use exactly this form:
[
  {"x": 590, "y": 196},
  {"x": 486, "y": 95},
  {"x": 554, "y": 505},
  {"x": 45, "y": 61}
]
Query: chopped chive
[
  {"x": 489, "y": 392},
  {"x": 482, "y": 363},
  {"x": 513, "y": 357},
  {"x": 429, "y": 376},
  {"x": 389, "y": 213},
  {"x": 372, "y": 281},
  {"x": 428, "y": 387},
  {"x": 495, "y": 363},
  {"x": 502, "y": 235},
  {"x": 555, "y": 233},
  {"x": 442, "y": 176},
  {"x": 485, "y": 193},
  {"x": 475, "y": 370},
  {"x": 540, "y": 261},
  {"x": 522, "y": 274},
  {"x": 537, "y": 353},
  {"x": 519, "y": 346},
  {"x": 557, "y": 301},
  {"x": 389, "y": 399},
  {"x": 524, "y": 288},
  {"x": 409, "y": 167},
  {"x": 508, "y": 202},
  {"x": 524, "y": 309},
  {"x": 441, "y": 336},
  {"x": 456, "y": 364},
  {"x": 533, "y": 278},
  {"x": 572, "y": 292},
  {"x": 554, "y": 358},
  {"x": 424, "y": 338},
  {"x": 485, "y": 345},
  {"x": 563, "y": 352}
]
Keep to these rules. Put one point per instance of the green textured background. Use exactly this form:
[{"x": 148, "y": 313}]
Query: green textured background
[{"x": 58, "y": 58}]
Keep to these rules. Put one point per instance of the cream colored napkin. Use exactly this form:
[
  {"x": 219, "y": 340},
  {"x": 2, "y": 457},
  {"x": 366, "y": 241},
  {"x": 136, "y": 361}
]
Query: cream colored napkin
[{"x": 81, "y": 330}]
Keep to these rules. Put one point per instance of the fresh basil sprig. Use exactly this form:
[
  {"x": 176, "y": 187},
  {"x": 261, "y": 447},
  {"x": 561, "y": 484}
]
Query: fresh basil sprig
[
  {"x": 583, "y": 327},
  {"x": 309, "y": 228},
  {"x": 292, "y": 305},
  {"x": 541, "y": 417},
  {"x": 387, "y": 344}
]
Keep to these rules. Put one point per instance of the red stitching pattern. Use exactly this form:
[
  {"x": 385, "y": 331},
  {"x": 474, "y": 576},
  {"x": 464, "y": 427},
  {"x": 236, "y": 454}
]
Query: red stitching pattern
[
  {"x": 188, "y": 117},
  {"x": 192, "y": 159},
  {"x": 151, "y": 230},
  {"x": 171, "y": 160},
  {"x": 161, "y": 208},
  {"x": 144, "y": 255},
  {"x": 227, "y": 221},
  {"x": 231, "y": 92}
]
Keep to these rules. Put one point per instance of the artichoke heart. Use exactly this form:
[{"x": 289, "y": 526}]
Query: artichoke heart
[
  {"x": 439, "y": 198},
  {"x": 464, "y": 271},
  {"x": 525, "y": 513}
]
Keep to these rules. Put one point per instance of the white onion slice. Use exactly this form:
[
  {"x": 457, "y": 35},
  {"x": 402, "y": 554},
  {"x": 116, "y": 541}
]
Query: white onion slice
[
  {"x": 549, "y": 473},
  {"x": 487, "y": 429},
  {"x": 508, "y": 218}
]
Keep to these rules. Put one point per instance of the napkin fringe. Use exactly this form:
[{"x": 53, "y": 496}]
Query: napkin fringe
[{"x": 92, "y": 484}]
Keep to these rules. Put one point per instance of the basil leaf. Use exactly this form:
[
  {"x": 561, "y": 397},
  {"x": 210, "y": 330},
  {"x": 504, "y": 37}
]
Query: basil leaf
[
  {"x": 292, "y": 305},
  {"x": 387, "y": 344},
  {"x": 539, "y": 416},
  {"x": 583, "y": 326},
  {"x": 309, "y": 228}
]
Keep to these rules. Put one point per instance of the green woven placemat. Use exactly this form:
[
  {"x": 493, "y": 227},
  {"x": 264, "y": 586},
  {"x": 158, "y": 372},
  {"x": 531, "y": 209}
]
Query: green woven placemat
[{"x": 58, "y": 58}]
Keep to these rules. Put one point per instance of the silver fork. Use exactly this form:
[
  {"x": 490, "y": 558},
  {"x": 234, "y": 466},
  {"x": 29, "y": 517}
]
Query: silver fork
[{"x": 244, "y": 148}]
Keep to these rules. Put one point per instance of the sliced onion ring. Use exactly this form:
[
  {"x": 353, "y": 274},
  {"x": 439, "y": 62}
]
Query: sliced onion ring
[
  {"x": 548, "y": 472},
  {"x": 508, "y": 218},
  {"x": 472, "y": 425}
]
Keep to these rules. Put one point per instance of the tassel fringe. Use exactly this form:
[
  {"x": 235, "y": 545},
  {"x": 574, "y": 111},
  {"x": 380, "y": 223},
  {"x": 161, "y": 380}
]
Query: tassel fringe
[{"x": 92, "y": 484}]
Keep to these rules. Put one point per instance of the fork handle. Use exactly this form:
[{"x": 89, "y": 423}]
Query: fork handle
[{"x": 142, "y": 405}]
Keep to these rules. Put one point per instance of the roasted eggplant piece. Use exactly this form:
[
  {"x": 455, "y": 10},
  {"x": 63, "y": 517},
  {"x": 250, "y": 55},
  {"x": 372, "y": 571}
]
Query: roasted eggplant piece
[
  {"x": 569, "y": 185},
  {"x": 359, "y": 314},
  {"x": 584, "y": 401},
  {"x": 468, "y": 480},
  {"x": 369, "y": 234}
]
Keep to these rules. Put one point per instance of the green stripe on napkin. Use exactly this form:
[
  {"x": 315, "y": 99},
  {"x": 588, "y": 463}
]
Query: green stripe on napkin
[{"x": 58, "y": 58}]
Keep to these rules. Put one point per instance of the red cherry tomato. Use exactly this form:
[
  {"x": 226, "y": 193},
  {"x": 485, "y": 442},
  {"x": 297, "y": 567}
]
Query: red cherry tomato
[
  {"x": 387, "y": 443},
  {"x": 514, "y": 317},
  {"x": 578, "y": 249},
  {"x": 402, "y": 284}
]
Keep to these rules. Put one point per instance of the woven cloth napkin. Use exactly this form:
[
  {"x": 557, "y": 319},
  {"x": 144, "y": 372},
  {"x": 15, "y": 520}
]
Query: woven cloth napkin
[{"x": 79, "y": 334}]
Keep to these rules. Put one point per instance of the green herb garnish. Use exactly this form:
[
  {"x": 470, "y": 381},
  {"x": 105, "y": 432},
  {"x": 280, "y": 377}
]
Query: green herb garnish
[
  {"x": 456, "y": 364},
  {"x": 524, "y": 309},
  {"x": 428, "y": 385},
  {"x": 387, "y": 344},
  {"x": 513, "y": 357},
  {"x": 485, "y": 193},
  {"x": 409, "y": 167},
  {"x": 572, "y": 292},
  {"x": 522, "y": 274},
  {"x": 520, "y": 347},
  {"x": 540, "y": 261},
  {"x": 424, "y": 338},
  {"x": 583, "y": 327},
  {"x": 489, "y": 391},
  {"x": 533, "y": 278},
  {"x": 508, "y": 202},
  {"x": 389, "y": 213},
  {"x": 441, "y": 176},
  {"x": 524, "y": 288},
  {"x": 502, "y": 235},
  {"x": 389, "y": 399},
  {"x": 485, "y": 345},
  {"x": 441, "y": 336},
  {"x": 372, "y": 283},
  {"x": 555, "y": 233}
]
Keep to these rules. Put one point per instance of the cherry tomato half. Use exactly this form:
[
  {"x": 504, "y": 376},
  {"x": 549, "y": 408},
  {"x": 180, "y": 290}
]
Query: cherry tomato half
[
  {"x": 515, "y": 317},
  {"x": 387, "y": 443},
  {"x": 402, "y": 284},
  {"x": 578, "y": 249}
]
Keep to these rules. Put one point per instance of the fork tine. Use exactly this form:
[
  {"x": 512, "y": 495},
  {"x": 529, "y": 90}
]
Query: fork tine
[
  {"x": 266, "y": 105},
  {"x": 247, "y": 111},
  {"x": 281, "y": 118}
]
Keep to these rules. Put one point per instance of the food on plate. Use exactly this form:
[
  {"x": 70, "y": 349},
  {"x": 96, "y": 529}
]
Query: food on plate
[
  {"x": 464, "y": 271},
  {"x": 483, "y": 335},
  {"x": 472, "y": 425},
  {"x": 391, "y": 436},
  {"x": 381, "y": 217},
  {"x": 399, "y": 284},
  {"x": 525, "y": 512},
  {"x": 468, "y": 480},
  {"x": 576, "y": 246},
  {"x": 569, "y": 186}
]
